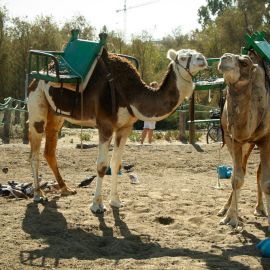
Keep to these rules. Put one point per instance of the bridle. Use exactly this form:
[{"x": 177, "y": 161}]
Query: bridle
[{"x": 187, "y": 67}]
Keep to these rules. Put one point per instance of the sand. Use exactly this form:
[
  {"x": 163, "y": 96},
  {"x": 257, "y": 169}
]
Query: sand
[{"x": 168, "y": 221}]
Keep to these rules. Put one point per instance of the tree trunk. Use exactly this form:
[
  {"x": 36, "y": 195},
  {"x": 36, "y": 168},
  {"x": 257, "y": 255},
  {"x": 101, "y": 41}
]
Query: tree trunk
[
  {"x": 6, "y": 129},
  {"x": 17, "y": 119},
  {"x": 182, "y": 126},
  {"x": 25, "y": 129}
]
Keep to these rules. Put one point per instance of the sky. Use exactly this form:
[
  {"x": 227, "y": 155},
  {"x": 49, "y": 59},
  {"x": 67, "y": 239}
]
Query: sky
[{"x": 158, "y": 17}]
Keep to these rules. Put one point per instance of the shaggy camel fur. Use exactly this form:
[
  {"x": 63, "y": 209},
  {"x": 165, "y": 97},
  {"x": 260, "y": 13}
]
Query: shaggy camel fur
[
  {"x": 245, "y": 121},
  {"x": 133, "y": 100}
]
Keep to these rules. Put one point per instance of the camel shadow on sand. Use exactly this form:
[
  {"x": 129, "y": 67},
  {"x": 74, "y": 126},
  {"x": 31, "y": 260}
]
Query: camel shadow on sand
[{"x": 50, "y": 227}]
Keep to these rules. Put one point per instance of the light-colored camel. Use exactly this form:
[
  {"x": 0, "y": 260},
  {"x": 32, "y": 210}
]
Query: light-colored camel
[
  {"x": 133, "y": 100},
  {"x": 245, "y": 121}
]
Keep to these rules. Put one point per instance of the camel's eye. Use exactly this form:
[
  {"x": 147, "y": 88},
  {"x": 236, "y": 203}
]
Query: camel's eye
[
  {"x": 243, "y": 63},
  {"x": 182, "y": 58}
]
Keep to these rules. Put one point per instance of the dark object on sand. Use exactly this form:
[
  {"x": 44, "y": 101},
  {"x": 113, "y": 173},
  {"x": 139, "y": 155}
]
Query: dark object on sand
[
  {"x": 85, "y": 146},
  {"x": 5, "y": 170},
  {"x": 87, "y": 181},
  {"x": 129, "y": 167}
]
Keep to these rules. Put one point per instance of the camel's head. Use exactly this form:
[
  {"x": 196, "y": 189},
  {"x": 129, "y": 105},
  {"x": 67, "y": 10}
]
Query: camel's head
[
  {"x": 189, "y": 60},
  {"x": 236, "y": 68}
]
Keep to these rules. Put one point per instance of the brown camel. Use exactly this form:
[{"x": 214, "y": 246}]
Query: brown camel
[
  {"x": 133, "y": 100},
  {"x": 245, "y": 121}
]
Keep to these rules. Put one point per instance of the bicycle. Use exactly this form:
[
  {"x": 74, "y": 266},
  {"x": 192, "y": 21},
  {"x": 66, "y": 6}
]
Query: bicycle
[{"x": 214, "y": 133}]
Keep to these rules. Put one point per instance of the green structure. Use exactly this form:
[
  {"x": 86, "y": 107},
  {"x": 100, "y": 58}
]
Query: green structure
[
  {"x": 259, "y": 44},
  {"x": 69, "y": 66},
  {"x": 212, "y": 82}
]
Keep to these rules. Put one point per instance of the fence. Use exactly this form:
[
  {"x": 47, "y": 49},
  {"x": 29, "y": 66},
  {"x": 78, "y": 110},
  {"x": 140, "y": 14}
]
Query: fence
[{"x": 18, "y": 107}]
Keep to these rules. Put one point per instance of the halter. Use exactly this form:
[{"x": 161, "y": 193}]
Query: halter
[{"x": 187, "y": 67}]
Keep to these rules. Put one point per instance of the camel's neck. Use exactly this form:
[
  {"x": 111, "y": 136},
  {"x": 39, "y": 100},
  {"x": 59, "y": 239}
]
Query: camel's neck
[
  {"x": 155, "y": 105},
  {"x": 247, "y": 109}
]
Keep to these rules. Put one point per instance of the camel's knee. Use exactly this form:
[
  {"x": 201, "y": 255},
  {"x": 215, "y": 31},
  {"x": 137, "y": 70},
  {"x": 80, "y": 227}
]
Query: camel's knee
[
  {"x": 237, "y": 182},
  {"x": 101, "y": 169}
]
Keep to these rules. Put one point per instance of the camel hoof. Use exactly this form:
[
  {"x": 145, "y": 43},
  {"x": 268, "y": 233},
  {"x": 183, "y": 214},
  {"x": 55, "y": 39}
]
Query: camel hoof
[
  {"x": 66, "y": 191},
  {"x": 229, "y": 221},
  {"x": 116, "y": 203},
  {"x": 260, "y": 213},
  {"x": 97, "y": 208},
  {"x": 222, "y": 212}
]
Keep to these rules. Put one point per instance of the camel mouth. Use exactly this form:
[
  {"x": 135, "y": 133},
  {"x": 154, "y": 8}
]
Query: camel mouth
[
  {"x": 224, "y": 66},
  {"x": 204, "y": 66}
]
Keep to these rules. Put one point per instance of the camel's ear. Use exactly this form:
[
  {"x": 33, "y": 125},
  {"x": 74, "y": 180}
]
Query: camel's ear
[{"x": 172, "y": 54}]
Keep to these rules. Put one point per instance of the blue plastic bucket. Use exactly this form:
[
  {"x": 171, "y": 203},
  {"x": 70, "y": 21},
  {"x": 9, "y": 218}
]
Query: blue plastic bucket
[{"x": 224, "y": 172}]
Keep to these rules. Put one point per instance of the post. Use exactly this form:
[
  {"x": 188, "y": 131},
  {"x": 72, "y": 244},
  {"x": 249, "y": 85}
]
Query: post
[
  {"x": 17, "y": 118},
  {"x": 6, "y": 128},
  {"x": 182, "y": 126},
  {"x": 191, "y": 119}
]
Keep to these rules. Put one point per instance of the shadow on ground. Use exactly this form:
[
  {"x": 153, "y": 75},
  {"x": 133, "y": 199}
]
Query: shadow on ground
[{"x": 63, "y": 242}]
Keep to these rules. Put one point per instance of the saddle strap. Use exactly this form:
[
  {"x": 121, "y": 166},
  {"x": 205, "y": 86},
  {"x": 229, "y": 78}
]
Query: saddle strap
[{"x": 114, "y": 89}]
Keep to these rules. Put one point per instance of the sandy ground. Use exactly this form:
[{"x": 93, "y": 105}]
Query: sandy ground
[{"x": 169, "y": 220}]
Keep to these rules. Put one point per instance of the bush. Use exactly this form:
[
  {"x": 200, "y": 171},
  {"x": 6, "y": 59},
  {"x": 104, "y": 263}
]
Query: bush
[
  {"x": 135, "y": 136},
  {"x": 85, "y": 136}
]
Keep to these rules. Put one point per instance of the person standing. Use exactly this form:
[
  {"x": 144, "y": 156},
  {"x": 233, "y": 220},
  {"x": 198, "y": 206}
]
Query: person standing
[
  {"x": 148, "y": 129},
  {"x": 149, "y": 126}
]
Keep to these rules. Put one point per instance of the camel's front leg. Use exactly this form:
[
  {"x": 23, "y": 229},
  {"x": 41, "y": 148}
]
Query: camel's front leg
[
  {"x": 119, "y": 144},
  {"x": 237, "y": 182},
  {"x": 97, "y": 205},
  {"x": 246, "y": 150}
]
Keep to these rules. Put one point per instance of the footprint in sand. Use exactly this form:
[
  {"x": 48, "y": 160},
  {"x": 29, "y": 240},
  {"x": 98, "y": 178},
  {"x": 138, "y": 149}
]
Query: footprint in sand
[{"x": 196, "y": 220}]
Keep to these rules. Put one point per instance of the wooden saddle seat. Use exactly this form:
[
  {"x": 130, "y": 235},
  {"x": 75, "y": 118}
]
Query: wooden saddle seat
[{"x": 71, "y": 68}]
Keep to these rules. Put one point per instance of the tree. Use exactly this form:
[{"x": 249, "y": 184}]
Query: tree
[
  {"x": 79, "y": 22},
  {"x": 3, "y": 52}
]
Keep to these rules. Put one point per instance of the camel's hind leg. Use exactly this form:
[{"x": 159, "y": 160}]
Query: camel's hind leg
[
  {"x": 38, "y": 109},
  {"x": 54, "y": 124}
]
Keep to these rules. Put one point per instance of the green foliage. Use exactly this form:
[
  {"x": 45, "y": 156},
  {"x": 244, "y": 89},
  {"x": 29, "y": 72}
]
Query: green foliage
[
  {"x": 135, "y": 136},
  {"x": 85, "y": 136},
  {"x": 169, "y": 123},
  {"x": 224, "y": 23}
]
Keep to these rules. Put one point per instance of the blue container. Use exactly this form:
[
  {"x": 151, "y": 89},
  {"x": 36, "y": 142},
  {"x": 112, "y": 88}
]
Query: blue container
[
  {"x": 264, "y": 247},
  {"x": 224, "y": 172},
  {"x": 109, "y": 171}
]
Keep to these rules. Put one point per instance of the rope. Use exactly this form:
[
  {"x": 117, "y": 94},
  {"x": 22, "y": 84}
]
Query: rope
[{"x": 81, "y": 119}]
